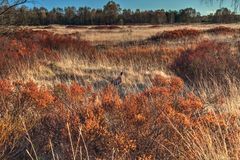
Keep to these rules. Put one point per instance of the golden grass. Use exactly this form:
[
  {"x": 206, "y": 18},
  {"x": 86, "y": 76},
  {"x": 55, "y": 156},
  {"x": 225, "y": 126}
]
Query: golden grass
[
  {"x": 126, "y": 33},
  {"x": 140, "y": 64}
]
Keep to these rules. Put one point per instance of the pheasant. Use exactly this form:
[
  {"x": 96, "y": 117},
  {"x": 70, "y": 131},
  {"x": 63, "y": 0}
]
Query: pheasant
[{"x": 118, "y": 80}]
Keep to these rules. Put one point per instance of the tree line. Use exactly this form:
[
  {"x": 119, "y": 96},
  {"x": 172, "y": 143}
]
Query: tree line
[{"x": 110, "y": 14}]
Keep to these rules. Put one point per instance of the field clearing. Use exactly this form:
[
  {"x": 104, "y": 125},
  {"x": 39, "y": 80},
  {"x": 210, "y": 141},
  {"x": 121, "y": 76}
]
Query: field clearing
[
  {"x": 120, "y": 92},
  {"x": 120, "y": 51},
  {"x": 124, "y": 33}
]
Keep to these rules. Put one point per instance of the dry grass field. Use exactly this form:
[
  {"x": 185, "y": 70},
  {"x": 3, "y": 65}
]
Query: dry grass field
[
  {"x": 178, "y": 97},
  {"x": 122, "y": 33}
]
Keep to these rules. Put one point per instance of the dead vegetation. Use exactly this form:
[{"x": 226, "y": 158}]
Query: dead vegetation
[{"x": 57, "y": 101}]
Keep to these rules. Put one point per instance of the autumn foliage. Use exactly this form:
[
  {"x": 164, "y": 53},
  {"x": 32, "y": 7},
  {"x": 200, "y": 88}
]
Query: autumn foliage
[
  {"x": 107, "y": 27},
  {"x": 147, "y": 124},
  {"x": 191, "y": 33},
  {"x": 209, "y": 60},
  {"x": 23, "y": 47},
  {"x": 165, "y": 120},
  {"x": 176, "y": 34},
  {"x": 221, "y": 30}
]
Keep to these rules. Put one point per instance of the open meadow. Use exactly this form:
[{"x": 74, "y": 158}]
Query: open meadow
[{"x": 62, "y": 94}]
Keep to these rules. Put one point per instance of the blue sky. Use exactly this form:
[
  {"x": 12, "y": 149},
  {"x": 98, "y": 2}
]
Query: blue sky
[{"x": 134, "y": 4}]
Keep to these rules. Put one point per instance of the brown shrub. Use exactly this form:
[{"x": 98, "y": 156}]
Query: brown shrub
[
  {"x": 176, "y": 34},
  {"x": 106, "y": 27},
  {"x": 147, "y": 124},
  {"x": 76, "y": 27},
  {"x": 49, "y": 40},
  {"x": 221, "y": 30},
  {"x": 25, "y": 46},
  {"x": 208, "y": 61},
  {"x": 154, "y": 26},
  {"x": 48, "y": 27}
]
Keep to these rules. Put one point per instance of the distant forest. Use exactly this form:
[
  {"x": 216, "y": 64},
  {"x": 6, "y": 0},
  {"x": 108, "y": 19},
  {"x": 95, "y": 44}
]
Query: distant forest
[{"x": 111, "y": 14}]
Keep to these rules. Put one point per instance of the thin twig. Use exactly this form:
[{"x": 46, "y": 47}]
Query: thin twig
[
  {"x": 17, "y": 3},
  {"x": 29, "y": 154},
  {"x": 71, "y": 142},
  {"x": 84, "y": 143},
  {"x": 51, "y": 146},
  {"x": 29, "y": 139}
]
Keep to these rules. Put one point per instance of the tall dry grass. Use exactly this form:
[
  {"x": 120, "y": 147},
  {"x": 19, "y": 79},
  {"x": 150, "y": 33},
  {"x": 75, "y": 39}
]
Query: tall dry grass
[{"x": 64, "y": 106}]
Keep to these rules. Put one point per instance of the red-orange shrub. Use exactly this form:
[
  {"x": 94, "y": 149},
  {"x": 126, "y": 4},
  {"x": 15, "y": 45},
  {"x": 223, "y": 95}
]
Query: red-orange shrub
[
  {"x": 176, "y": 34},
  {"x": 132, "y": 127},
  {"x": 110, "y": 98},
  {"x": 221, "y": 30},
  {"x": 5, "y": 88},
  {"x": 106, "y": 27},
  {"x": 38, "y": 97},
  {"x": 189, "y": 104},
  {"x": 209, "y": 61},
  {"x": 24, "y": 46}
]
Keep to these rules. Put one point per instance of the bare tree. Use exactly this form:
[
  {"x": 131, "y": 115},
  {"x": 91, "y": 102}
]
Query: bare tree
[
  {"x": 235, "y": 3},
  {"x": 11, "y": 5},
  {"x": 5, "y": 8}
]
